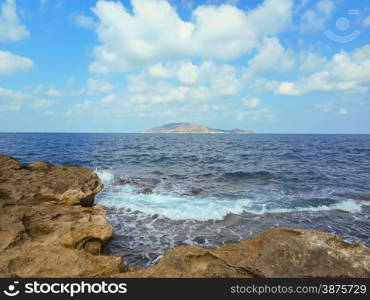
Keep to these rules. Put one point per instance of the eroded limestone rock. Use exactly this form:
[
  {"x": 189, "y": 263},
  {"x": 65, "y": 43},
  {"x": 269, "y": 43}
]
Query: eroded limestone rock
[
  {"x": 278, "y": 252},
  {"x": 48, "y": 226}
]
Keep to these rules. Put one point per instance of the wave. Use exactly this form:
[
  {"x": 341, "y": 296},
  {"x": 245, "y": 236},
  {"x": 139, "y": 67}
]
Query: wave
[
  {"x": 106, "y": 176},
  {"x": 176, "y": 207}
]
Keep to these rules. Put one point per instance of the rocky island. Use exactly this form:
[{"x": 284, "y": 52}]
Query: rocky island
[
  {"x": 49, "y": 227},
  {"x": 193, "y": 128}
]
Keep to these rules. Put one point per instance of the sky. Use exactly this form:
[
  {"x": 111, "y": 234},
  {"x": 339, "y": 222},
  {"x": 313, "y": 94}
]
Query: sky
[{"x": 272, "y": 66}]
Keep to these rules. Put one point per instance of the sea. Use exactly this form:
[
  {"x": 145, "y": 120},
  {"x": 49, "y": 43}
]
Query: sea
[{"x": 166, "y": 190}]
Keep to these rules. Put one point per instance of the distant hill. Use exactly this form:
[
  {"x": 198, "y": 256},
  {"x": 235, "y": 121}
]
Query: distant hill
[{"x": 193, "y": 128}]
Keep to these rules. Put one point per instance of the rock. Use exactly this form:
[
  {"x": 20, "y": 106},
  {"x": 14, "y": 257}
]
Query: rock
[
  {"x": 48, "y": 226},
  {"x": 146, "y": 191},
  {"x": 93, "y": 246},
  {"x": 364, "y": 198},
  {"x": 43, "y": 182},
  {"x": 193, "y": 192},
  {"x": 278, "y": 252},
  {"x": 124, "y": 181},
  {"x": 39, "y": 165}
]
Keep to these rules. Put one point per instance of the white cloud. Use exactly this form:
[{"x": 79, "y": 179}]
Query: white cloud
[
  {"x": 343, "y": 111},
  {"x": 310, "y": 62},
  {"x": 48, "y": 113},
  {"x": 54, "y": 93},
  {"x": 316, "y": 17},
  {"x": 155, "y": 32},
  {"x": 189, "y": 73},
  {"x": 251, "y": 102},
  {"x": 79, "y": 108},
  {"x": 344, "y": 72},
  {"x": 8, "y": 94},
  {"x": 11, "y": 63},
  {"x": 288, "y": 88},
  {"x": 182, "y": 81},
  {"x": 161, "y": 70},
  {"x": 271, "y": 56},
  {"x": 98, "y": 86},
  {"x": 366, "y": 22},
  {"x": 108, "y": 99},
  {"x": 11, "y": 28}
]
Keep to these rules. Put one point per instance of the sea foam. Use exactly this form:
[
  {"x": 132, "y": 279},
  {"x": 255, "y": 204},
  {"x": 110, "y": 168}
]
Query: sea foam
[{"x": 176, "y": 207}]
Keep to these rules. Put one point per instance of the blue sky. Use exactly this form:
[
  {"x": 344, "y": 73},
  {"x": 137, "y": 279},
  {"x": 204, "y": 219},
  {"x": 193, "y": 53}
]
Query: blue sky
[{"x": 272, "y": 66}]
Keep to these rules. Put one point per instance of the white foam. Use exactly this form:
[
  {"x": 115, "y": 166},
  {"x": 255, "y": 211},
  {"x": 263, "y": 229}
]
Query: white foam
[
  {"x": 194, "y": 208},
  {"x": 345, "y": 205},
  {"x": 105, "y": 175}
]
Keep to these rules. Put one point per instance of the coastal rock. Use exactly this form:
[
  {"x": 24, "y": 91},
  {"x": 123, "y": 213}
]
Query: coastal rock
[
  {"x": 146, "y": 191},
  {"x": 192, "y": 192},
  {"x": 42, "y": 182},
  {"x": 124, "y": 181},
  {"x": 364, "y": 198},
  {"x": 278, "y": 252},
  {"x": 48, "y": 226}
]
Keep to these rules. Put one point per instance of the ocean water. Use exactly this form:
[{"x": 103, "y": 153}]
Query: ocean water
[{"x": 162, "y": 191}]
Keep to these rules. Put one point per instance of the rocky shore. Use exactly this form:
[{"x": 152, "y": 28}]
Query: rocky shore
[{"x": 49, "y": 227}]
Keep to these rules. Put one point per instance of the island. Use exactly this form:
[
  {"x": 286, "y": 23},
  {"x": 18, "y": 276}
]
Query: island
[{"x": 193, "y": 128}]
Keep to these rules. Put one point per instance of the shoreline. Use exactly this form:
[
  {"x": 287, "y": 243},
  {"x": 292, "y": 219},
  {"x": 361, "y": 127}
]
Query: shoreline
[{"x": 52, "y": 228}]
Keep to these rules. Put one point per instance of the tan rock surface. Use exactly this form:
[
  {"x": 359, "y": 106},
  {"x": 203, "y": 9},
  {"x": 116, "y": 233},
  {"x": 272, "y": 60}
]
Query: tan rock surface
[
  {"x": 47, "y": 225},
  {"x": 278, "y": 252}
]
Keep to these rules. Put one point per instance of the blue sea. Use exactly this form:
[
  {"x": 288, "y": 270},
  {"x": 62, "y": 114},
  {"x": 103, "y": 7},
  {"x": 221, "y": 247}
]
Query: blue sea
[{"x": 162, "y": 191}]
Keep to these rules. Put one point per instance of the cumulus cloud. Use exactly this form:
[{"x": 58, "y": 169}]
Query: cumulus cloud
[
  {"x": 11, "y": 28},
  {"x": 316, "y": 17},
  {"x": 310, "y": 62},
  {"x": 154, "y": 32},
  {"x": 11, "y": 63},
  {"x": 183, "y": 81},
  {"x": 271, "y": 56},
  {"x": 344, "y": 72},
  {"x": 187, "y": 72}
]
